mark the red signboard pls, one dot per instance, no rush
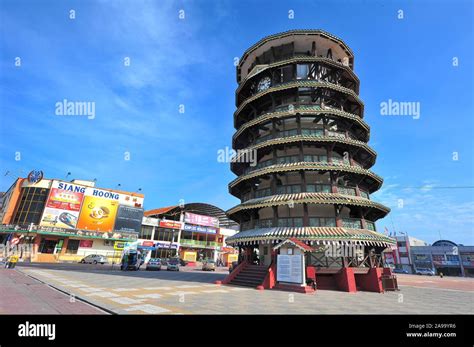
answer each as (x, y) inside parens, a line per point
(86, 243)
(148, 243)
(64, 200)
(171, 224)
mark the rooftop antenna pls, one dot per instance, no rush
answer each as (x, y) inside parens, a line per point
(68, 174)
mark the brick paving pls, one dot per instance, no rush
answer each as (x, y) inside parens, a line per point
(193, 292)
(20, 294)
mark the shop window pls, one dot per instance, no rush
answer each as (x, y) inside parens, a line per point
(31, 205)
(145, 232)
(72, 246)
(47, 246)
(109, 243)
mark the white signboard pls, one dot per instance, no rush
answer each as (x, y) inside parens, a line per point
(290, 268)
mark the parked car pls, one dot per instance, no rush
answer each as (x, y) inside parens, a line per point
(400, 271)
(209, 265)
(428, 272)
(173, 265)
(154, 264)
(94, 259)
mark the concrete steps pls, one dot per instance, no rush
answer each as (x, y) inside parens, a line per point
(250, 276)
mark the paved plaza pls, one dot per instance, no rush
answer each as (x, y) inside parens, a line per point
(192, 291)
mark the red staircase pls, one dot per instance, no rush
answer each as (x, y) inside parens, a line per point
(250, 276)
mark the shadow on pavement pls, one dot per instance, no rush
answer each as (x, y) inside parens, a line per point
(190, 274)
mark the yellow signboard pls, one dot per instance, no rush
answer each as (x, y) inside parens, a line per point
(190, 256)
(97, 214)
(119, 245)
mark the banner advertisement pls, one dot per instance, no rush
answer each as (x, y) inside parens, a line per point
(63, 205)
(128, 219)
(97, 214)
(86, 243)
(198, 219)
(170, 224)
(151, 245)
(199, 229)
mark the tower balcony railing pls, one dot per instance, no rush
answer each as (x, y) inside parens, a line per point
(294, 55)
(304, 105)
(322, 159)
(347, 190)
(305, 132)
(351, 223)
(296, 188)
(370, 225)
(326, 103)
(318, 222)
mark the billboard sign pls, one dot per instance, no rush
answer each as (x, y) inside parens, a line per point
(98, 214)
(199, 229)
(198, 219)
(63, 205)
(128, 219)
(166, 244)
(170, 224)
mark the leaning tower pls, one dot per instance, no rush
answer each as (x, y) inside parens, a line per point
(299, 113)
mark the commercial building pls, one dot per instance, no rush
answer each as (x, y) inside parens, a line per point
(193, 231)
(65, 220)
(442, 256)
(303, 162)
(445, 257)
(399, 256)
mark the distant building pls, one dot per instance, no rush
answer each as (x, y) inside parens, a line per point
(445, 257)
(192, 231)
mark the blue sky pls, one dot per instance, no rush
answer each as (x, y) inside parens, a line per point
(190, 62)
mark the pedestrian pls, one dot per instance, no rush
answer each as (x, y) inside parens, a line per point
(441, 275)
(124, 262)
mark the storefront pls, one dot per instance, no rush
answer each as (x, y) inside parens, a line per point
(65, 221)
(199, 242)
(157, 249)
(42, 244)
